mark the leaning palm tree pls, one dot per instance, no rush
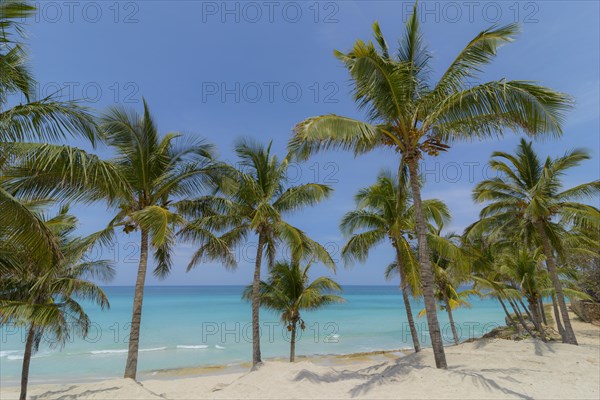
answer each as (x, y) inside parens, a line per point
(529, 202)
(483, 254)
(521, 270)
(450, 271)
(43, 297)
(289, 291)
(145, 181)
(256, 202)
(47, 119)
(384, 211)
(414, 117)
(451, 298)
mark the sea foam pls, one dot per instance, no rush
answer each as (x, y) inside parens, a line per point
(108, 351)
(120, 351)
(5, 353)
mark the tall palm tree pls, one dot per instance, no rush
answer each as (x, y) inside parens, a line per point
(289, 291)
(256, 202)
(25, 118)
(385, 212)
(158, 172)
(43, 297)
(408, 114)
(145, 181)
(529, 200)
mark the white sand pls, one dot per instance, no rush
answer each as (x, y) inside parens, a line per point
(484, 369)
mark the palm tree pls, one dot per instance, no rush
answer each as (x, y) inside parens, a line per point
(451, 269)
(529, 200)
(289, 291)
(521, 270)
(384, 211)
(413, 117)
(255, 202)
(30, 120)
(144, 182)
(43, 297)
(157, 171)
(484, 254)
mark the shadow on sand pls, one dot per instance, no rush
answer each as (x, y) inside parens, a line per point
(399, 370)
(65, 396)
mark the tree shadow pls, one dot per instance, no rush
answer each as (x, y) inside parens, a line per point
(490, 384)
(398, 371)
(541, 347)
(481, 343)
(51, 394)
(374, 375)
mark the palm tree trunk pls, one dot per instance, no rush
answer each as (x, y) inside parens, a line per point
(27, 361)
(407, 306)
(426, 270)
(520, 317)
(256, 359)
(293, 344)
(511, 321)
(136, 317)
(542, 311)
(568, 335)
(533, 305)
(559, 325)
(527, 311)
(451, 319)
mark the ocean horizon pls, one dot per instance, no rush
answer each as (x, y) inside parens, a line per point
(195, 326)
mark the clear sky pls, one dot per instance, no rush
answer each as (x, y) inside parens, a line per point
(221, 70)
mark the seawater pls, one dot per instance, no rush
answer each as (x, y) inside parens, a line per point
(189, 326)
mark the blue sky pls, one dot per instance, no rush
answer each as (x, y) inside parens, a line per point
(221, 70)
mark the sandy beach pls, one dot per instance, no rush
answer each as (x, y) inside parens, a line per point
(482, 369)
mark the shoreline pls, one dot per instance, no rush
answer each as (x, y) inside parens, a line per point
(490, 368)
(233, 368)
(481, 368)
(317, 359)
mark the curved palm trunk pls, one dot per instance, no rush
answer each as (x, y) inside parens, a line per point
(511, 321)
(520, 317)
(256, 359)
(426, 270)
(527, 311)
(451, 319)
(542, 311)
(568, 335)
(293, 344)
(27, 361)
(407, 306)
(559, 326)
(533, 306)
(136, 317)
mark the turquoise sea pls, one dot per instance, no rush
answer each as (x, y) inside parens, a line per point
(189, 326)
